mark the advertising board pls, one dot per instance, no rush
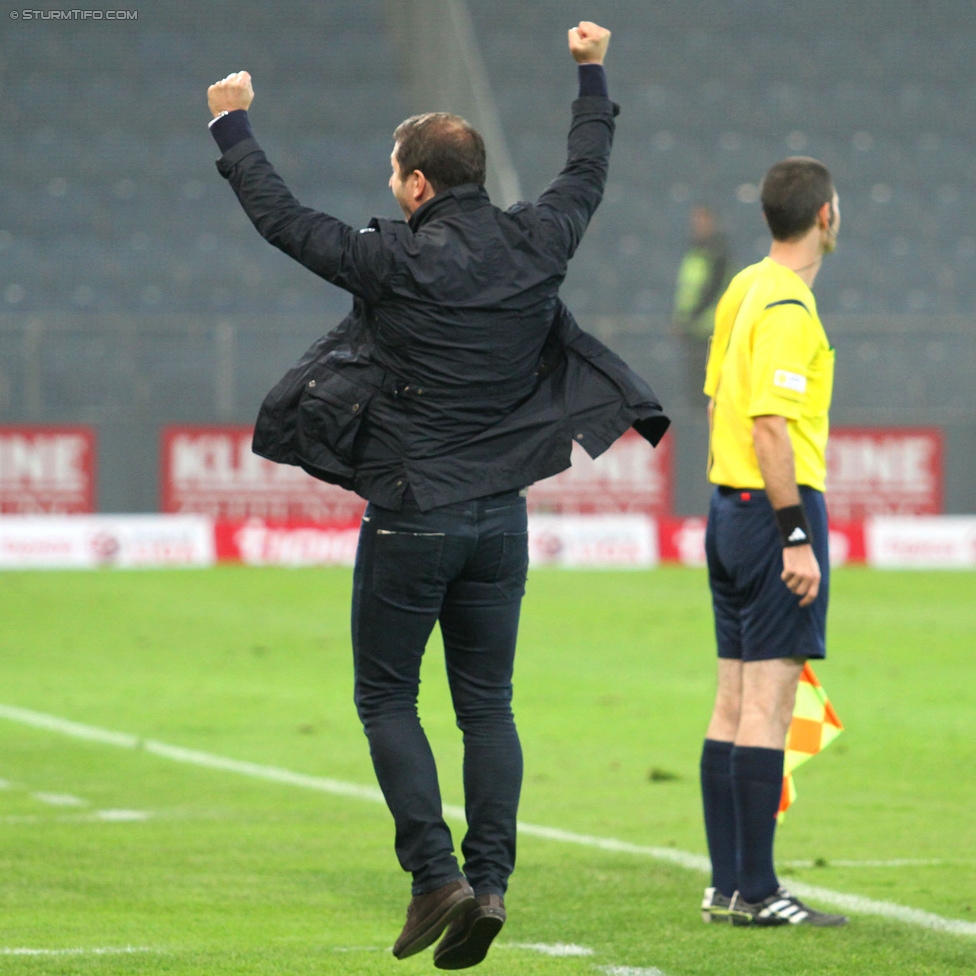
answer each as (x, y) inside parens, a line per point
(884, 471)
(212, 471)
(629, 477)
(47, 470)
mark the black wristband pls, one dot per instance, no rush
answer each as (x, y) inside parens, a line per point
(793, 527)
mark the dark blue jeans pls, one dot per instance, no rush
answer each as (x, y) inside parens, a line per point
(463, 566)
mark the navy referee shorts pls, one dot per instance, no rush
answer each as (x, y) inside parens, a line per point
(756, 617)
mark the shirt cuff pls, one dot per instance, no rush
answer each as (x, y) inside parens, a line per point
(230, 129)
(592, 80)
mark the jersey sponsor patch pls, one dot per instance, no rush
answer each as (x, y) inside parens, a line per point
(786, 380)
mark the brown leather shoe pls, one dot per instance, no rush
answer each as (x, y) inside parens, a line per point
(429, 914)
(469, 936)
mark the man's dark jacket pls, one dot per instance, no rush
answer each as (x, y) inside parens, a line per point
(458, 371)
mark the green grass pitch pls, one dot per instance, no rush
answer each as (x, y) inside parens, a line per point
(117, 859)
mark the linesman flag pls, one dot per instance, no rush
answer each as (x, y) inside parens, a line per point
(815, 725)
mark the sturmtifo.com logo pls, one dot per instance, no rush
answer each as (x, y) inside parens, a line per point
(74, 14)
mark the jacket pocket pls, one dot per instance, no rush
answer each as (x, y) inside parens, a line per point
(330, 414)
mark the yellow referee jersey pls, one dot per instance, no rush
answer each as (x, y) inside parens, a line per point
(769, 356)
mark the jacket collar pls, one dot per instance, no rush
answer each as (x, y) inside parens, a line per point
(468, 196)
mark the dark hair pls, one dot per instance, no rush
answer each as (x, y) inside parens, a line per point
(792, 193)
(444, 147)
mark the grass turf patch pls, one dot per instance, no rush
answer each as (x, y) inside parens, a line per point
(613, 687)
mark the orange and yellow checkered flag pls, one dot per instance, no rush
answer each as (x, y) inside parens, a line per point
(815, 725)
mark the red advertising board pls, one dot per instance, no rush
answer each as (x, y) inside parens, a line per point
(47, 470)
(259, 543)
(629, 477)
(884, 471)
(212, 470)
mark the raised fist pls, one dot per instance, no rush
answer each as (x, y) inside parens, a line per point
(230, 93)
(588, 42)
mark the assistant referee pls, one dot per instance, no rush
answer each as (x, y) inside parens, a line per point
(769, 379)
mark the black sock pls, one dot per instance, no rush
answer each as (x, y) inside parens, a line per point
(757, 784)
(716, 787)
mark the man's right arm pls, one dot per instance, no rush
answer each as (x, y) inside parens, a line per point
(577, 191)
(325, 245)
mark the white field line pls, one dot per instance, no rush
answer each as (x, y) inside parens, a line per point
(120, 816)
(96, 951)
(59, 799)
(631, 971)
(695, 862)
(558, 949)
(99, 816)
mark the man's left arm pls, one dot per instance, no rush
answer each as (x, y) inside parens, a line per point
(577, 191)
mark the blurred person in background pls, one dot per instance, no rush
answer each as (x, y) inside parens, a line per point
(702, 276)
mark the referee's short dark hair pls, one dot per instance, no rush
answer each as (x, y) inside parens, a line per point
(448, 150)
(792, 193)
